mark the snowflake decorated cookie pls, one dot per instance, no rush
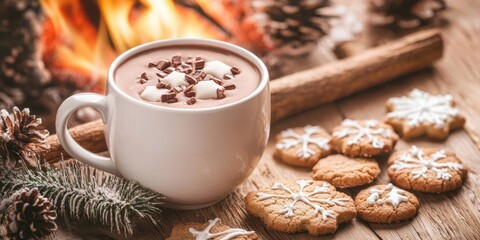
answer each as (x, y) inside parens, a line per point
(302, 146)
(363, 138)
(302, 205)
(213, 230)
(386, 204)
(345, 172)
(420, 114)
(426, 170)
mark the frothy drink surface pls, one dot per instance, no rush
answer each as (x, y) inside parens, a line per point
(187, 77)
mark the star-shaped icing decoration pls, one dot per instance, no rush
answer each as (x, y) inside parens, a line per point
(386, 204)
(208, 90)
(217, 69)
(176, 79)
(421, 113)
(302, 205)
(153, 94)
(391, 195)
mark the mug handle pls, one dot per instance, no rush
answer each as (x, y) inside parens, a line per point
(69, 106)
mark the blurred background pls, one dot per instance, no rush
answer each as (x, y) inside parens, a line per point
(51, 49)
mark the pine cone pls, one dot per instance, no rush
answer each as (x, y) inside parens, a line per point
(22, 72)
(407, 14)
(16, 135)
(295, 26)
(31, 216)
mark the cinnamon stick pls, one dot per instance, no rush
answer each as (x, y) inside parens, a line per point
(305, 90)
(89, 135)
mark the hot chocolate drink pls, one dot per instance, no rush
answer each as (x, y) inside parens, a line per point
(187, 77)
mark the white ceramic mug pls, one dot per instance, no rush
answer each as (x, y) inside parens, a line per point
(194, 157)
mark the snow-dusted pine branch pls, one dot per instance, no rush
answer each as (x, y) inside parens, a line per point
(79, 193)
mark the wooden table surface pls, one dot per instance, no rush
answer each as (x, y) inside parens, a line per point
(453, 215)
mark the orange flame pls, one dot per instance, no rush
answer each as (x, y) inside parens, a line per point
(85, 46)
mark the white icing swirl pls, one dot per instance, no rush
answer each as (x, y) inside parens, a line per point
(228, 234)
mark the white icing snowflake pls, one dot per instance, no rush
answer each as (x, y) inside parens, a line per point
(357, 132)
(420, 107)
(420, 165)
(395, 196)
(292, 139)
(305, 197)
(228, 234)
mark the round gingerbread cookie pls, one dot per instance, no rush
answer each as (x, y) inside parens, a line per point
(426, 170)
(386, 204)
(421, 113)
(345, 172)
(302, 205)
(363, 138)
(302, 146)
(213, 230)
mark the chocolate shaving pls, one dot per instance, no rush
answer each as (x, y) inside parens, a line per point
(176, 60)
(199, 75)
(229, 86)
(189, 88)
(228, 77)
(199, 63)
(190, 79)
(169, 70)
(235, 70)
(162, 65)
(189, 91)
(168, 96)
(190, 94)
(191, 101)
(216, 80)
(143, 78)
(176, 90)
(185, 68)
(221, 93)
(161, 74)
(161, 85)
(173, 100)
(152, 64)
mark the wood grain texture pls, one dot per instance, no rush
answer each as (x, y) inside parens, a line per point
(454, 215)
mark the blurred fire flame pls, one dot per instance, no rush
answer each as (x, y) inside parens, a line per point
(81, 38)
